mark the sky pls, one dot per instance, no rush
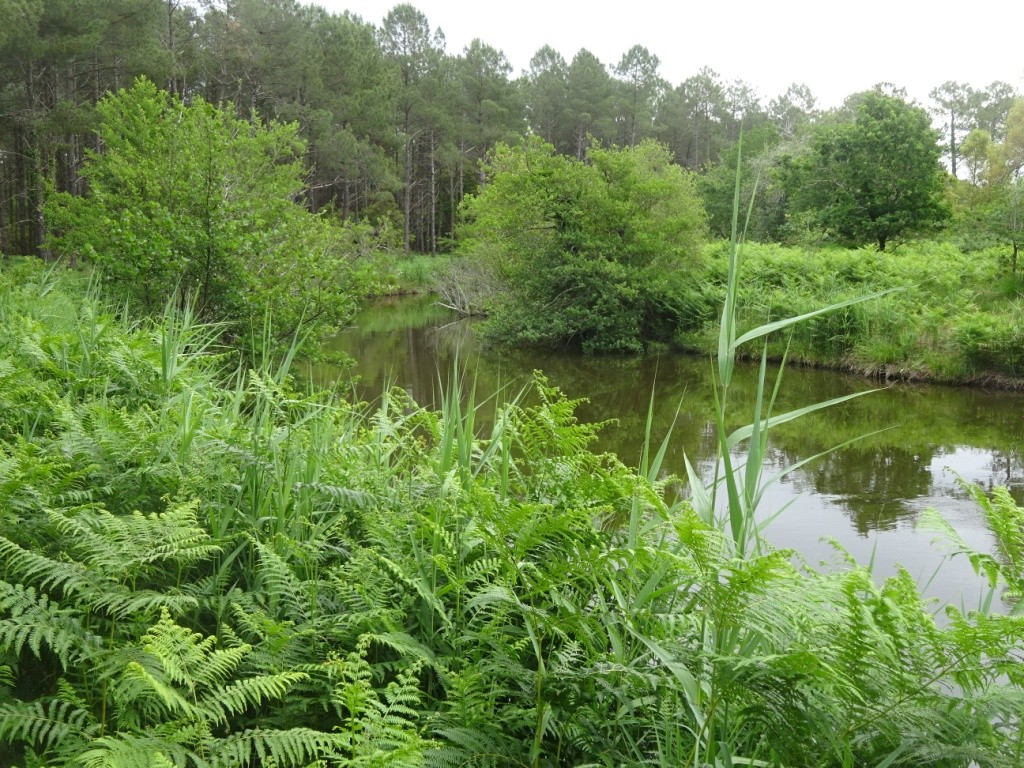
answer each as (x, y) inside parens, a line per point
(835, 48)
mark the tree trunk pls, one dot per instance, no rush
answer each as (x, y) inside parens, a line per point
(433, 194)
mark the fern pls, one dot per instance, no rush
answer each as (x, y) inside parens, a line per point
(32, 620)
(241, 696)
(129, 544)
(131, 751)
(287, 747)
(44, 724)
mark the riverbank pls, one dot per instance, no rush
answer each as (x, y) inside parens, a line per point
(951, 317)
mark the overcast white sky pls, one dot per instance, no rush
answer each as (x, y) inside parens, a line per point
(836, 48)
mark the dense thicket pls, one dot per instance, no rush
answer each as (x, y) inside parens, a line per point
(593, 255)
(393, 123)
(192, 204)
(202, 566)
(951, 316)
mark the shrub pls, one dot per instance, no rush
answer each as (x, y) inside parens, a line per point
(593, 254)
(193, 200)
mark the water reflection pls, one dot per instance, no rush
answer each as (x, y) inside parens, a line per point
(867, 496)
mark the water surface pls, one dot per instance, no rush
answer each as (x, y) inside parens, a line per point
(868, 496)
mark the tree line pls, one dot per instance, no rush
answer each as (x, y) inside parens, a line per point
(394, 125)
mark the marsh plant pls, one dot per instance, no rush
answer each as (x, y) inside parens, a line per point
(211, 565)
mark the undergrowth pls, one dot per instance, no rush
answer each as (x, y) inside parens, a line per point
(953, 316)
(205, 565)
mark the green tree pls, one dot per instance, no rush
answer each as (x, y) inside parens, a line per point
(955, 103)
(195, 200)
(57, 59)
(762, 151)
(490, 110)
(975, 152)
(992, 106)
(639, 88)
(871, 176)
(590, 101)
(998, 204)
(792, 110)
(545, 93)
(593, 253)
(692, 117)
(417, 54)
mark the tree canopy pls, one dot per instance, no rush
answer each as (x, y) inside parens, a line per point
(873, 175)
(190, 199)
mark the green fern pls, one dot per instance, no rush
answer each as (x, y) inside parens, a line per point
(31, 620)
(45, 724)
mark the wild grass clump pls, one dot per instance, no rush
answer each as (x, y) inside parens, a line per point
(209, 565)
(392, 273)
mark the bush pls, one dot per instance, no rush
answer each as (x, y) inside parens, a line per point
(190, 199)
(593, 255)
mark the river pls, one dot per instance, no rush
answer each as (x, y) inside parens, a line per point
(868, 496)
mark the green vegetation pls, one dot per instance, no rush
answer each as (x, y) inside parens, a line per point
(952, 316)
(395, 145)
(395, 125)
(874, 176)
(203, 566)
(192, 202)
(591, 254)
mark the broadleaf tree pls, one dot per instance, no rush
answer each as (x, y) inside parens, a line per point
(870, 174)
(593, 254)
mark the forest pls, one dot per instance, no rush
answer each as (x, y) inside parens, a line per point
(393, 145)
(394, 126)
(208, 561)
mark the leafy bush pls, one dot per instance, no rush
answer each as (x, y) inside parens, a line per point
(190, 199)
(592, 255)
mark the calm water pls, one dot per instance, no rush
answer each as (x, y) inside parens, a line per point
(867, 496)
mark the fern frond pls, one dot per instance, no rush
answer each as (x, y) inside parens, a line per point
(179, 651)
(125, 544)
(45, 572)
(33, 620)
(93, 589)
(242, 695)
(290, 747)
(286, 592)
(130, 751)
(44, 723)
(140, 688)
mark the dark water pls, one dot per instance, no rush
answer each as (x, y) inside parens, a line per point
(868, 496)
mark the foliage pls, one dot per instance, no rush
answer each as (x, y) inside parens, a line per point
(873, 176)
(992, 206)
(954, 316)
(762, 148)
(593, 254)
(191, 201)
(203, 566)
(394, 124)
